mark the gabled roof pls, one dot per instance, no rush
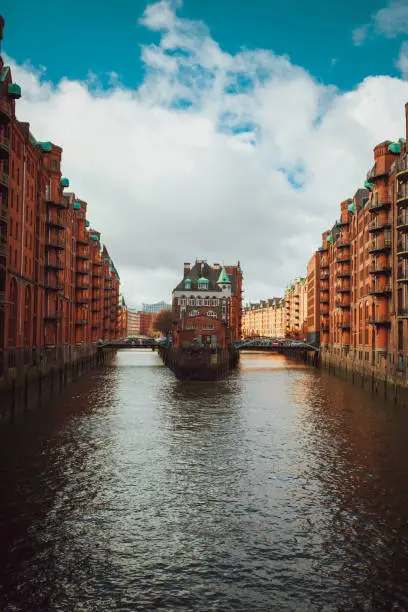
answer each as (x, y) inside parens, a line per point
(212, 275)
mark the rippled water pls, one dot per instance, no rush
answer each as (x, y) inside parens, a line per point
(279, 489)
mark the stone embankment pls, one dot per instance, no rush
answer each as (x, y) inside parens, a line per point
(33, 377)
(388, 382)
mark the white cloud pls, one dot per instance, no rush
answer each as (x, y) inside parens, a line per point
(389, 21)
(198, 162)
(402, 62)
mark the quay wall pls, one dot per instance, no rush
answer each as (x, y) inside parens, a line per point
(199, 364)
(387, 381)
(32, 376)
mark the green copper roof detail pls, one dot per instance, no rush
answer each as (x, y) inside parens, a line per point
(403, 140)
(329, 238)
(87, 223)
(4, 73)
(368, 185)
(107, 259)
(94, 237)
(45, 146)
(223, 277)
(14, 90)
(394, 147)
(77, 205)
(203, 280)
(64, 182)
(351, 208)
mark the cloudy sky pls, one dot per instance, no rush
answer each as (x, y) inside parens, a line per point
(225, 133)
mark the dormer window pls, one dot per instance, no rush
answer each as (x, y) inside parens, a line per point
(203, 283)
(187, 283)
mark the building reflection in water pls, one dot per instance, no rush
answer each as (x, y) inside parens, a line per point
(357, 449)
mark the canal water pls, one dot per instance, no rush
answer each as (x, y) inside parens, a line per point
(281, 488)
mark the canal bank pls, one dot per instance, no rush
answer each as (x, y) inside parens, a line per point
(388, 382)
(35, 378)
(278, 488)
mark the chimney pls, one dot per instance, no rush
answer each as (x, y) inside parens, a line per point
(186, 268)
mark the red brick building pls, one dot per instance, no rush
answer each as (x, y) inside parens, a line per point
(57, 288)
(207, 305)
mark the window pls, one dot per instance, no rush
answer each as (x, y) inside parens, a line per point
(192, 301)
(206, 301)
(212, 314)
(193, 313)
(215, 301)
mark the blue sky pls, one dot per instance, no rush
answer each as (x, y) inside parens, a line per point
(233, 131)
(76, 37)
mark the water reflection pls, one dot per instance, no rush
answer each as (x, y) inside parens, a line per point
(279, 488)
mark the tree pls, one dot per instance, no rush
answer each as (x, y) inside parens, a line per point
(164, 322)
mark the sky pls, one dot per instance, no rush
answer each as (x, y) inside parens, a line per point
(215, 130)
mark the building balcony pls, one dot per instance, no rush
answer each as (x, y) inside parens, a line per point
(54, 265)
(343, 272)
(58, 222)
(378, 203)
(380, 289)
(325, 309)
(55, 243)
(402, 169)
(324, 300)
(81, 300)
(325, 326)
(82, 271)
(53, 316)
(402, 248)
(81, 322)
(402, 313)
(96, 273)
(343, 257)
(402, 275)
(54, 285)
(341, 303)
(324, 263)
(82, 255)
(379, 320)
(380, 268)
(57, 203)
(5, 110)
(402, 195)
(377, 225)
(324, 274)
(83, 240)
(344, 324)
(81, 285)
(402, 223)
(343, 288)
(343, 242)
(375, 173)
(4, 147)
(4, 180)
(377, 246)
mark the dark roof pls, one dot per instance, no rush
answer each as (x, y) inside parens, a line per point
(200, 269)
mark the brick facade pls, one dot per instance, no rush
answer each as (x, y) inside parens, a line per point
(54, 278)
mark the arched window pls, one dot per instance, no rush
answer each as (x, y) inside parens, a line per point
(192, 301)
(13, 309)
(27, 315)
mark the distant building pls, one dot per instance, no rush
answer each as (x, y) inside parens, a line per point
(265, 318)
(155, 308)
(139, 323)
(207, 305)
